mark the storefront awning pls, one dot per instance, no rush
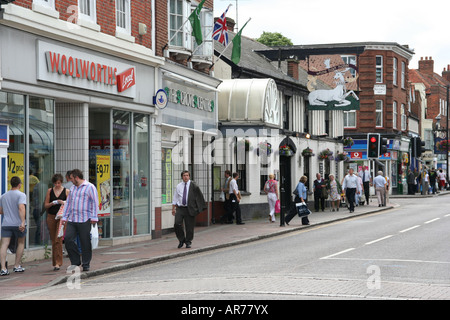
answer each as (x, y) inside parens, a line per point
(249, 100)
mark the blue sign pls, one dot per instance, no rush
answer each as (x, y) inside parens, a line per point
(4, 134)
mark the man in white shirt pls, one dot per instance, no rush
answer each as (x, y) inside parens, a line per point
(380, 183)
(366, 178)
(351, 187)
(235, 198)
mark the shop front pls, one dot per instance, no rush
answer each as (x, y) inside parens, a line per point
(187, 119)
(70, 107)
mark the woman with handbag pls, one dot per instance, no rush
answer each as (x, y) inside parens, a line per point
(271, 189)
(335, 192)
(54, 198)
(301, 196)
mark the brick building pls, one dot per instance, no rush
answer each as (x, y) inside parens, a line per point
(433, 87)
(79, 79)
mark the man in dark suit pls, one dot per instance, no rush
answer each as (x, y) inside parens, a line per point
(188, 202)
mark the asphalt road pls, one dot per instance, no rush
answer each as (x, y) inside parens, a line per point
(396, 254)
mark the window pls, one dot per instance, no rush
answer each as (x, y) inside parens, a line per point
(379, 113)
(394, 115)
(46, 3)
(123, 17)
(87, 10)
(403, 75)
(395, 71)
(350, 119)
(350, 60)
(403, 116)
(207, 23)
(379, 69)
(179, 34)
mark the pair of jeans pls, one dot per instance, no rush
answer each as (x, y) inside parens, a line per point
(83, 230)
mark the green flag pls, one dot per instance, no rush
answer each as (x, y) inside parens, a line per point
(194, 19)
(236, 53)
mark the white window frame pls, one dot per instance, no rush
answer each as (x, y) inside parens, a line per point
(186, 30)
(403, 79)
(125, 28)
(207, 22)
(350, 59)
(92, 7)
(395, 71)
(378, 70)
(403, 117)
(379, 110)
(45, 3)
(394, 115)
(347, 123)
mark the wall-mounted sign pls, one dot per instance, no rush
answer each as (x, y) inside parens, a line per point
(80, 69)
(338, 75)
(161, 99)
(379, 89)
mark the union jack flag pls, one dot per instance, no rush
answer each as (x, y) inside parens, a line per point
(220, 32)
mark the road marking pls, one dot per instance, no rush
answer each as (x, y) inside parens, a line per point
(447, 215)
(410, 229)
(338, 253)
(387, 237)
(429, 221)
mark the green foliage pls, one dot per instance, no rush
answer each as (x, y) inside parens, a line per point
(273, 39)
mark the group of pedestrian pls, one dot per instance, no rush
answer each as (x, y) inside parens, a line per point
(80, 211)
(426, 181)
(232, 199)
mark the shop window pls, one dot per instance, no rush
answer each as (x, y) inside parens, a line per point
(141, 172)
(167, 176)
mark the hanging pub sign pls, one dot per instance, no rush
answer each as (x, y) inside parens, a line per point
(340, 76)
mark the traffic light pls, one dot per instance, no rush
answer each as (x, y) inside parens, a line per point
(419, 147)
(383, 146)
(373, 145)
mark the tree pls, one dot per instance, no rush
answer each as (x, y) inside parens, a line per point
(272, 39)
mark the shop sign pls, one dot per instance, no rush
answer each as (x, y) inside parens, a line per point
(66, 66)
(357, 155)
(189, 99)
(160, 100)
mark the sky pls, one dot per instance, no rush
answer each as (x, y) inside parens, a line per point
(422, 25)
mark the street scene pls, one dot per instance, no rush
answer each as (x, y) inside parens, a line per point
(223, 150)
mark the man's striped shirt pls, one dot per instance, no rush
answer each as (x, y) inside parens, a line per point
(81, 204)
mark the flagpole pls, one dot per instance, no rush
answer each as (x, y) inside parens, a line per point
(229, 43)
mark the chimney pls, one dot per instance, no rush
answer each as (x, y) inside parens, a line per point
(292, 68)
(446, 73)
(426, 65)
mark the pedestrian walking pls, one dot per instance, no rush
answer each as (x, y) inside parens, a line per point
(301, 196)
(442, 179)
(235, 198)
(12, 208)
(271, 190)
(335, 192)
(54, 199)
(433, 180)
(80, 212)
(319, 188)
(380, 183)
(188, 202)
(425, 181)
(411, 182)
(366, 178)
(227, 217)
(351, 187)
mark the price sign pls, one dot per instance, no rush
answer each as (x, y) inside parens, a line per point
(104, 184)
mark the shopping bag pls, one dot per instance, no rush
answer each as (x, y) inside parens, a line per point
(94, 236)
(222, 196)
(277, 206)
(61, 230)
(302, 209)
(60, 213)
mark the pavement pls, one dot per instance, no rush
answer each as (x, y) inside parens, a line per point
(40, 274)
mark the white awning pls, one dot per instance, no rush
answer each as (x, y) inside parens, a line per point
(249, 100)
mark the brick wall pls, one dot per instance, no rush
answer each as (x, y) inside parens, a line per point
(367, 80)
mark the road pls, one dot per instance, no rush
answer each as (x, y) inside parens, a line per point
(396, 254)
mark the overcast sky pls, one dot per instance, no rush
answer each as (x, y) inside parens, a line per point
(423, 25)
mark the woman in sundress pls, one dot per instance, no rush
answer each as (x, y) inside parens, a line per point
(335, 192)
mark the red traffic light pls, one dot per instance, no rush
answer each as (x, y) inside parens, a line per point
(373, 139)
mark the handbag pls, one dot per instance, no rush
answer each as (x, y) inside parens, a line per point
(94, 236)
(302, 209)
(60, 213)
(295, 193)
(324, 192)
(277, 206)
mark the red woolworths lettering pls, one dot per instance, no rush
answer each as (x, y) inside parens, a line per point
(126, 80)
